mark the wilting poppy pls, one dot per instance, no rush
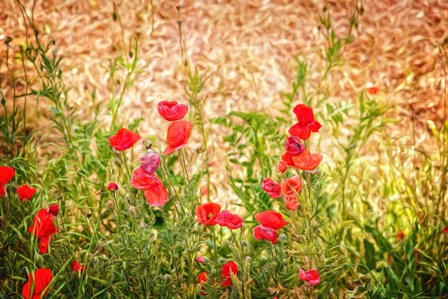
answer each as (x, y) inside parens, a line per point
(150, 162)
(227, 268)
(53, 209)
(124, 139)
(6, 174)
(272, 188)
(292, 185)
(171, 110)
(307, 161)
(271, 219)
(294, 146)
(310, 276)
(373, 90)
(232, 221)
(207, 213)
(305, 124)
(177, 135)
(77, 267)
(36, 286)
(291, 202)
(25, 192)
(266, 233)
(112, 186)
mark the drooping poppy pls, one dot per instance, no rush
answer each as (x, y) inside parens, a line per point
(305, 122)
(271, 219)
(177, 135)
(77, 267)
(294, 146)
(310, 276)
(36, 286)
(150, 162)
(266, 233)
(171, 110)
(292, 185)
(25, 192)
(272, 188)
(6, 174)
(232, 221)
(124, 139)
(53, 209)
(207, 213)
(227, 268)
(307, 161)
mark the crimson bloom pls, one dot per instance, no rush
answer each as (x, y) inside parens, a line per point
(43, 227)
(2, 191)
(291, 202)
(232, 221)
(6, 174)
(177, 135)
(271, 219)
(304, 161)
(123, 140)
(227, 268)
(293, 146)
(292, 185)
(155, 192)
(53, 209)
(305, 122)
(25, 192)
(171, 110)
(207, 213)
(272, 188)
(202, 278)
(266, 233)
(373, 90)
(112, 186)
(282, 166)
(77, 267)
(310, 276)
(36, 286)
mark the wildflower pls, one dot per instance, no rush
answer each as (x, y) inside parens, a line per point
(310, 276)
(291, 202)
(150, 162)
(2, 191)
(53, 209)
(77, 267)
(43, 228)
(202, 278)
(305, 122)
(266, 233)
(25, 192)
(271, 219)
(373, 90)
(112, 186)
(201, 259)
(232, 221)
(446, 229)
(282, 166)
(304, 161)
(226, 270)
(6, 174)
(207, 213)
(171, 110)
(400, 236)
(155, 192)
(124, 139)
(272, 188)
(177, 135)
(292, 186)
(36, 286)
(293, 146)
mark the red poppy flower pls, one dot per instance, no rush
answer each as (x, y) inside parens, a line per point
(227, 268)
(43, 225)
(282, 166)
(53, 209)
(177, 136)
(202, 278)
(266, 233)
(272, 188)
(293, 146)
(36, 286)
(112, 186)
(43, 244)
(124, 139)
(310, 276)
(156, 196)
(307, 161)
(150, 162)
(232, 221)
(25, 192)
(155, 192)
(2, 191)
(271, 219)
(306, 123)
(446, 229)
(400, 236)
(207, 213)
(373, 90)
(6, 174)
(171, 110)
(77, 267)
(291, 202)
(295, 183)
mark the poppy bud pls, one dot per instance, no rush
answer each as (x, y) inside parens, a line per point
(201, 259)
(53, 209)
(150, 162)
(282, 166)
(112, 186)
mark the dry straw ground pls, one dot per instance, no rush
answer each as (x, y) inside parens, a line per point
(247, 47)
